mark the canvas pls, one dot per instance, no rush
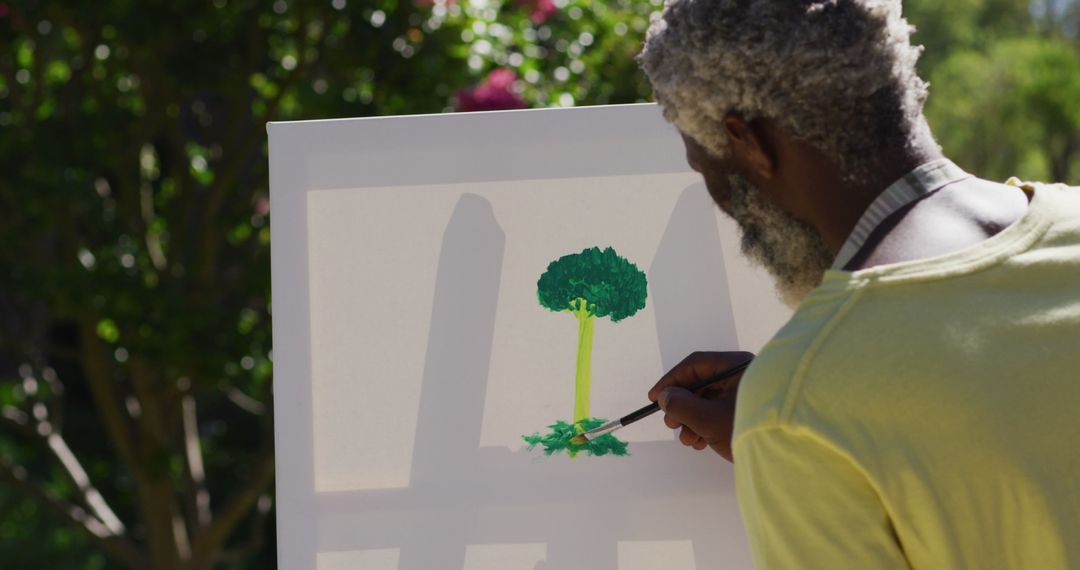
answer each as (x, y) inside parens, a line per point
(455, 296)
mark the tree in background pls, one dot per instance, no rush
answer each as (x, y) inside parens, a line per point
(135, 356)
(1004, 81)
(1030, 88)
(135, 364)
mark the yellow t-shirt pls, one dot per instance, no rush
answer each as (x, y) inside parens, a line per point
(925, 414)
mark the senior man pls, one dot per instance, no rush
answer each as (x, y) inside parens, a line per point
(919, 408)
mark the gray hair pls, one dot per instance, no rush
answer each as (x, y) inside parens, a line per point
(839, 74)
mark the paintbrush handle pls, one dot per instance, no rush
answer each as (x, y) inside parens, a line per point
(700, 385)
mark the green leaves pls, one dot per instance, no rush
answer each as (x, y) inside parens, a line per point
(610, 285)
(567, 53)
(1029, 86)
(560, 435)
(1003, 82)
(108, 331)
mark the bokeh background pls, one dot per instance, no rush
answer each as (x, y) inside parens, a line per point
(135, 353)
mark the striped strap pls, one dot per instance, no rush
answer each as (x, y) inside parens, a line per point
(919, 182)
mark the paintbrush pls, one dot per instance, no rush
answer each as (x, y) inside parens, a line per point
(582, 439)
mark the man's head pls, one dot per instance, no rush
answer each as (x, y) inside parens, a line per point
(791, 249)
(768, 91)
(839, 74)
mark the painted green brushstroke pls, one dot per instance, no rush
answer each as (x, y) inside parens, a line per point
(559, 436)
(590, 284)
(583, 375)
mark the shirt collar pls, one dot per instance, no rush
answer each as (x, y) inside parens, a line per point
(924, 179)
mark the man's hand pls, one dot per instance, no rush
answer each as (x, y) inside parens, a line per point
(706, 419)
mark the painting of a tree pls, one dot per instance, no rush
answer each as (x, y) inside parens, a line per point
(591, 284)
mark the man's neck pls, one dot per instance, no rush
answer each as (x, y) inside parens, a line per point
(840, 202)
(957, 216)
(848, 199)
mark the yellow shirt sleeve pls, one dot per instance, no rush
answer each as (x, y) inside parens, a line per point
(806, 506)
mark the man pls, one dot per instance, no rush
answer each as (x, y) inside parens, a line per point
(918, 410)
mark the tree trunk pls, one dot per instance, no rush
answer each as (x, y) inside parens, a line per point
(583, 378)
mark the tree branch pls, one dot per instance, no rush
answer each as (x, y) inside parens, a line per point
(257, 539)
(208, 544)
(193, 457)
(56, 400)
(166, 530)
(153, 419)
(17, 420)
(255, 135)
(118, 547)
(41, 433)
(245, 402)
(90, 495)
(96, 367)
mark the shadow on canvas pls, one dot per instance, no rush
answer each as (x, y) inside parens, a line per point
(592, 513)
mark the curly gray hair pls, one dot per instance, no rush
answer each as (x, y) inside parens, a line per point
(839, 74)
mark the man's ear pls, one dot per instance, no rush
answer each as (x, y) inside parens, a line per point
(752, 146)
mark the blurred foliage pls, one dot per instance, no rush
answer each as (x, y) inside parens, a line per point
(1004, 84)
(134, 277)
(1012, 110)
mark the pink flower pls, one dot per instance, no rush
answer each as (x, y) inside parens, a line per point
(494, 93)
(262, 206)
(541, 9)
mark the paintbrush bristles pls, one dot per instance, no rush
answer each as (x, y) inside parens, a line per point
(583, 438)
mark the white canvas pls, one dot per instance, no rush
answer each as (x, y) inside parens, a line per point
(412, 354)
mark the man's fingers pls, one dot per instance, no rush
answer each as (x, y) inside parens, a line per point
(708, 419)
(698, 366)
(688, 437)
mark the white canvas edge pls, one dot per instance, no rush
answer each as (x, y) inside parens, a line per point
(409, 151)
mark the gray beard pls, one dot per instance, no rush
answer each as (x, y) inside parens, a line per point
(790, 249)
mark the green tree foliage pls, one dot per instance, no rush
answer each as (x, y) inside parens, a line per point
(601, 282)
(135, 356)
(1030, 86)
(1004, 78)
(945, 27)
